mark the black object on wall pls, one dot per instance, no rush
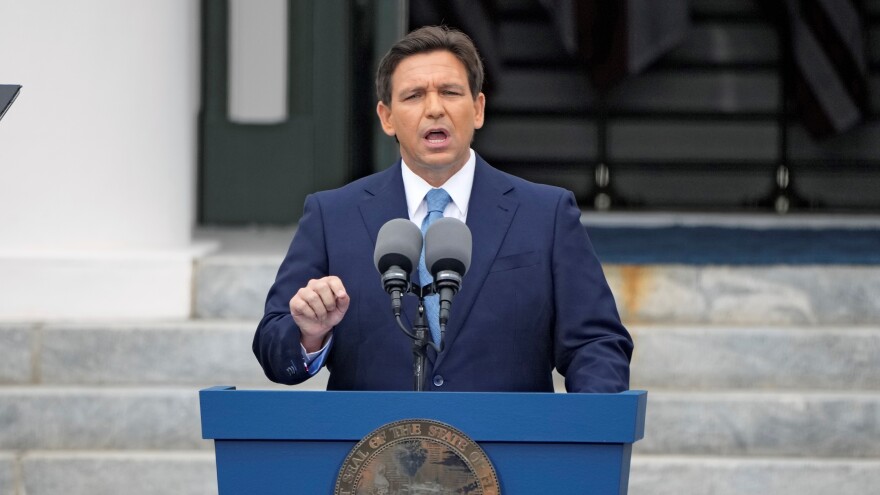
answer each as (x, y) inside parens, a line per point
(8, 94)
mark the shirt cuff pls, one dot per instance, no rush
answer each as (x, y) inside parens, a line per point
(315, 360)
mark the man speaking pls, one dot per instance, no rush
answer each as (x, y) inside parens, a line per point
(534, 298)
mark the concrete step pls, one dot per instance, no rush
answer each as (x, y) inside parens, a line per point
(715, 43)
(100, 418)
(652, 140)
(204, 353)
(109, 473)
(670, 475)
(193, 473)
(16, 352)
(171, 353)
(531, 41)
(735, 424)
(709, 92)
(195, 353)
(748, 295)
(705, 357)
(783, 424)
(514, 139)
(567, 90)
(553, 89)
(9, 483)
(234, 285)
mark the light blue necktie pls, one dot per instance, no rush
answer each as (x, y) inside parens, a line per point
(437, 200)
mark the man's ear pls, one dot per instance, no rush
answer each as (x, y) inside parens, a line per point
(384, 113)
(479, 110)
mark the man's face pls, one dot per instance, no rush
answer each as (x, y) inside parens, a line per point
(433, 114)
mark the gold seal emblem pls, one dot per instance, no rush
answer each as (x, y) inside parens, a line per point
(417, 457)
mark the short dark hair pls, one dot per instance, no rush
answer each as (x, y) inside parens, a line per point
(430, 39)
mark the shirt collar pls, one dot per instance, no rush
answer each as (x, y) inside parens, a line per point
(458, 186)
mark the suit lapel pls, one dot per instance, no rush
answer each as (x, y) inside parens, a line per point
(490, 213)
(385, 200)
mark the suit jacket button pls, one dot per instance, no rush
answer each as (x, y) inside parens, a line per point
(438, 381)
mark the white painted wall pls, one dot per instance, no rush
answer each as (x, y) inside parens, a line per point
(97, 158)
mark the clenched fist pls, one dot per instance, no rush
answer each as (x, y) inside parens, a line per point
(317, 308)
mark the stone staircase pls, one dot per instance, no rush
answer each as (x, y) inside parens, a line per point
(761, 380)
(758, 409)
(704, 128)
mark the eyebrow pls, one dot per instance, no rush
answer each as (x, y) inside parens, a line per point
(421, 87)
(452, 86)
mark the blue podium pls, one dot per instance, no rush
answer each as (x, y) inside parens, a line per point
(295, 442)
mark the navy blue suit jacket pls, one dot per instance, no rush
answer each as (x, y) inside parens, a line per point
(535, 296)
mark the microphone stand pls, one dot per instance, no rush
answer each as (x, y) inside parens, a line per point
(420, 335)
(420, 343)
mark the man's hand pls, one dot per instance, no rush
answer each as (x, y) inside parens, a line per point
(317, 308)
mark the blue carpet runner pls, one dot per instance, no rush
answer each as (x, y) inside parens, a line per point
(736, 246)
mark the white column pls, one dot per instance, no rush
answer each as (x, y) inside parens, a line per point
(97, 158)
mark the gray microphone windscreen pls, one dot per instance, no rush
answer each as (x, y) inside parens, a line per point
(399, 243)
(448, 246)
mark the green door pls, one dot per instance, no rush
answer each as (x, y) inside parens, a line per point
(261, 173)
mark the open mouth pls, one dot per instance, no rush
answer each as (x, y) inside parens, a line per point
(436, 136)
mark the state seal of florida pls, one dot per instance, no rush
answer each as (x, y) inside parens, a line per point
(417, 457)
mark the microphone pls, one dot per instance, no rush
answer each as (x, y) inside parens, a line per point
(448, 246)
(398, 247)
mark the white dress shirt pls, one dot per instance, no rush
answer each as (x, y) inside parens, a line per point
(458, 186)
